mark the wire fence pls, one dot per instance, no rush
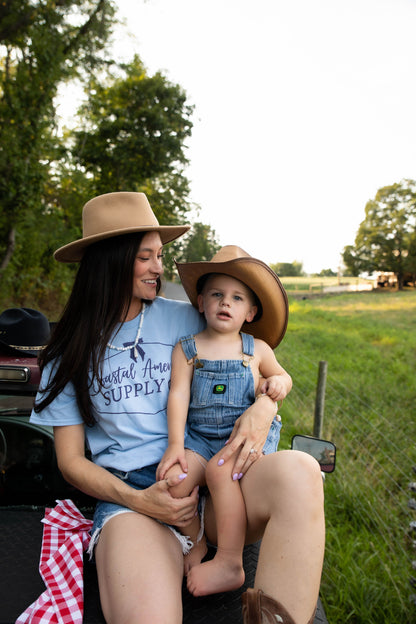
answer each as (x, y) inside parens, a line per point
(371, 517)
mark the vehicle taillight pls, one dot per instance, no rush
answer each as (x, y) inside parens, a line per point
(18, 373)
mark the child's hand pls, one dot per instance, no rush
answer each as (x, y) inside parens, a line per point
(174, 454)
(275, 387)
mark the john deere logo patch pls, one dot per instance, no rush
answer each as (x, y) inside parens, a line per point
(219, 389)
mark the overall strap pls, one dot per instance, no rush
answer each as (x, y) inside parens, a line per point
(189, 347)
(248, 344)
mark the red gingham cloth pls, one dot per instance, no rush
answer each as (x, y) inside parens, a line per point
(65, 536)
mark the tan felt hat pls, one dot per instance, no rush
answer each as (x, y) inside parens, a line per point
(114, 214)
(235, 262)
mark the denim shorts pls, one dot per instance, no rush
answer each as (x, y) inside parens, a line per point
(140, 480)
(208, 447)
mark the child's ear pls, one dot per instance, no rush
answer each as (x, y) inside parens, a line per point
(250, 316)
(200, 301)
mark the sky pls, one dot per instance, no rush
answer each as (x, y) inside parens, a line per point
(303, 110)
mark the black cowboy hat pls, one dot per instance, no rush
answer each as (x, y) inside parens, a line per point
(23, 331)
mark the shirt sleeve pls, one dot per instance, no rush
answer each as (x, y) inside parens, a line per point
(62, 411)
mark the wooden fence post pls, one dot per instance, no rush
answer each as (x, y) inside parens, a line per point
(320, 399)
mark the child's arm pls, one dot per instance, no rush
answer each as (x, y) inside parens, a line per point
(177, 412)
(277, 383)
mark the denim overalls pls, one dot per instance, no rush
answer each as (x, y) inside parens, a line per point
(221, 391)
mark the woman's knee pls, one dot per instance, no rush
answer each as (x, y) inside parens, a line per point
(285, 478)
(299, 470)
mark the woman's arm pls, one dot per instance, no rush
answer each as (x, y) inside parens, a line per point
(251, 429)
(155, 501)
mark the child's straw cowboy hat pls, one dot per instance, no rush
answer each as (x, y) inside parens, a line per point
(114, 214)
(237, 263)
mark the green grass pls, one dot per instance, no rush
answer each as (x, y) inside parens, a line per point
(369, 343)
(316, 284)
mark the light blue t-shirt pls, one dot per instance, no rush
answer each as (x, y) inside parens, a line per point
(130, 410)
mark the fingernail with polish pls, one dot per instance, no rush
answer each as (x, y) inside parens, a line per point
(235, 477)
(182, 476)
(220, 462)
(240, 475)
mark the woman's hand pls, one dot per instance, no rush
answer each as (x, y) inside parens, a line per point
(156, 501)
(249, 435)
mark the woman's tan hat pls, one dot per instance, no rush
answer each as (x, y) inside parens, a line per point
(114, 214)
(235, 262)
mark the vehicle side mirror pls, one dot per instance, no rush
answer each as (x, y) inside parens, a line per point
(322, 450)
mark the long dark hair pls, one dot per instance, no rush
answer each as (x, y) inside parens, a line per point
(99, 301)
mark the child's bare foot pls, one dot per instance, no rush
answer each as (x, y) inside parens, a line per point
(218, 575)
(195, 556)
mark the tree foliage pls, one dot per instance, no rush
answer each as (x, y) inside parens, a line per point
(131, 135)
(42, 44)
(288, 269)
(326, 273)
(198, 244)
(386, 238)
(133, 129)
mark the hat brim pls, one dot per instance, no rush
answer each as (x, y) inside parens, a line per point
(6, 349)
(73, 252)
(264, 282)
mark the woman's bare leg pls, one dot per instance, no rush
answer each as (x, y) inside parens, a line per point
(283, 494)
(225, 571)
(140, 571)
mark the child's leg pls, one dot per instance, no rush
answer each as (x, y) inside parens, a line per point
(225, 571)
(196, 476)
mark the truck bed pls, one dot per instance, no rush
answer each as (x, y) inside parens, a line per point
(20, 582)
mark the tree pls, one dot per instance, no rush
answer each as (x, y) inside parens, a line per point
(199, 244)
(134, 128)
(288, 269)
(131, 136)
(42, 44)
(326, 273)
(386, 238)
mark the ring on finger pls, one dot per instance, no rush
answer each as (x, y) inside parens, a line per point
(252, 451)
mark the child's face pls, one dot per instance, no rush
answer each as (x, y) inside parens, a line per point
(226, 303)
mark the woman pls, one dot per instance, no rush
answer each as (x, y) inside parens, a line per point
(105, 379)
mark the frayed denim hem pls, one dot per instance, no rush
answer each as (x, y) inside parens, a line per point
(96, 534)
(184, 540)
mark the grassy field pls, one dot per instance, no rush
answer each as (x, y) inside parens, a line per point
(369, 343)
(316, 284)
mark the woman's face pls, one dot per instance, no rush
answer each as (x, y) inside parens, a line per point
(147, 268)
